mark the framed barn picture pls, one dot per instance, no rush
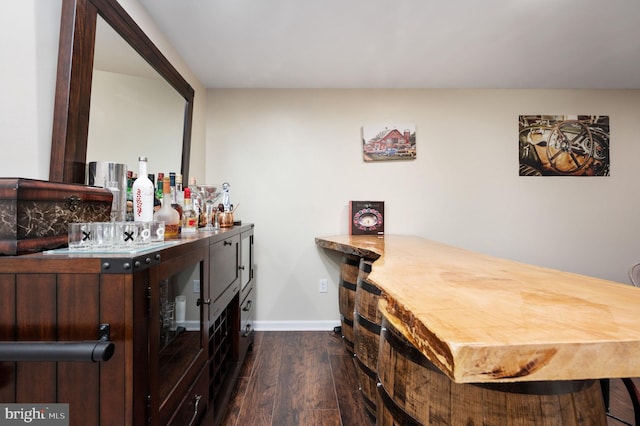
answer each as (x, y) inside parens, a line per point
(385, 142)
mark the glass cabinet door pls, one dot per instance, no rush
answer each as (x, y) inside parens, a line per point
(176, 333)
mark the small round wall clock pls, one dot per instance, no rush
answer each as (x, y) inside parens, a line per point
(367, 217)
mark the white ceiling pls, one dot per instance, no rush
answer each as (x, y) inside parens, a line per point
(406, 43)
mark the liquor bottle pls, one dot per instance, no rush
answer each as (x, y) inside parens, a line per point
(179, 190)
(174, 200)
(197, 205)
(129, 207)
(189, 218)
(156, 202)
(159, 186)
(167, 213)
(129, 184)
(142, 191)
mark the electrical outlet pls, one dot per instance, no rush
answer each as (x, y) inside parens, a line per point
(324, 285)
(196, 286)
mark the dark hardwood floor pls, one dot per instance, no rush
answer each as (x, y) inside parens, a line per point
(308, 379)
(621, 408)
(297, 378)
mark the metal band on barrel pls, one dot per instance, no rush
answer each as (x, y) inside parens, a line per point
(369, 288)
(347, 285)
(399, 415)
(371, 326)
(366, 370)
(351, 261)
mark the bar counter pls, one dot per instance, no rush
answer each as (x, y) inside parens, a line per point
(483, 319)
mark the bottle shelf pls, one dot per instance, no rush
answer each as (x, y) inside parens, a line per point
(220, 350)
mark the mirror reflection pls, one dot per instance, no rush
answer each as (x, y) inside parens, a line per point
(134, 111)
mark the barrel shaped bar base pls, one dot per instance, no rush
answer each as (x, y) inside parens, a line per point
(412, 391)
(349, 270)
(366, 331)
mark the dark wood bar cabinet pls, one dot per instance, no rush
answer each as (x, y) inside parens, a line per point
(171, 364)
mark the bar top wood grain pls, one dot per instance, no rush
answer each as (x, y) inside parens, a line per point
(485, 319)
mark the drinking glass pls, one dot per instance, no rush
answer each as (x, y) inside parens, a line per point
(126, 234)
(143, 233)
(156, 230)
(102, 235)
(79, 236)
(210, 194)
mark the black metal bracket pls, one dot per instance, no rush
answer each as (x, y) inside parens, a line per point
(128, 265)
(104, 332)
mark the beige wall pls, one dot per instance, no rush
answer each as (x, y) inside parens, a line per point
(293, 159)
(29, 30)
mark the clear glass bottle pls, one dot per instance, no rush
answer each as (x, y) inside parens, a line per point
(189, 217)
(143, 192)
(174, 201)
(166, 213)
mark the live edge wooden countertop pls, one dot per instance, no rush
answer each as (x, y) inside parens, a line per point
(484, 319)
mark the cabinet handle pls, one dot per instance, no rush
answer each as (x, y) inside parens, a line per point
(241, 267)
(247, 307)
(200, 302)
(196, 399)
(227, 243)
(247, 330)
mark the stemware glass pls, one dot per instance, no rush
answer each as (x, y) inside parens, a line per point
(209, 194)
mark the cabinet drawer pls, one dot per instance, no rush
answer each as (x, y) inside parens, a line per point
(224, 264)
(194, 405)
(247, 309)
(246, 314)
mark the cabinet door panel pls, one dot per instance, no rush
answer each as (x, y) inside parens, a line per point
(78, 383)
(7, 323)
(36, 318)
(246, 261)
(119, 405)
(224, 264)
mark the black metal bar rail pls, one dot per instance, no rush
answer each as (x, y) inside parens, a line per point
(96, 351)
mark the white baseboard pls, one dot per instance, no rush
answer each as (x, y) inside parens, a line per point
(278, 325)
(190, 325)
(295, 325)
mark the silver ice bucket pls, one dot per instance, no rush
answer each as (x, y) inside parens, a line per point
(112, 176)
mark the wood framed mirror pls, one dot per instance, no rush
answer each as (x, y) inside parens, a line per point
(79, 22)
